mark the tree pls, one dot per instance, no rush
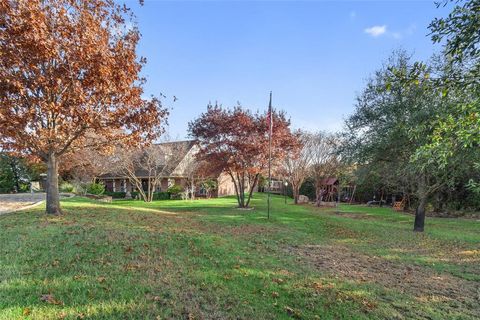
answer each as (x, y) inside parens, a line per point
(146, 167)
(459, 31)
(458, 128)
(210, 185)
(16, 173)
(69, 67)
(324, 161)
(200, 174)
(87, 164)
(236, 140)
(391, 123)
(296, 165)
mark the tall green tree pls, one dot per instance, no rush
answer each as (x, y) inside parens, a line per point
(391, 123)
(16, 173)
(458, 128)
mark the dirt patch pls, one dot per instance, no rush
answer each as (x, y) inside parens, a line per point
(422, 283)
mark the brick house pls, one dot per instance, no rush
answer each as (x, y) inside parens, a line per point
(117, 182)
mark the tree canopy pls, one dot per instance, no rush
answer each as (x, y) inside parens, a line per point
(236, 140)
(69, 67)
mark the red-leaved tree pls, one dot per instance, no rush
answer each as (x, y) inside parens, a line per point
(67, 68)
(237, 141)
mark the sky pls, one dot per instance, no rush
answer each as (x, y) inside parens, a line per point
(315, 56)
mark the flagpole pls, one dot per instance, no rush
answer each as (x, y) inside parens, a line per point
(270, 124)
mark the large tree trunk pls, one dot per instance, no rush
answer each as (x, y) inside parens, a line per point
(420, 215)
(53, 195)
(296, 193)
(422, 202)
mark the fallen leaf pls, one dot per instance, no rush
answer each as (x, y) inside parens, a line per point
(49, 298)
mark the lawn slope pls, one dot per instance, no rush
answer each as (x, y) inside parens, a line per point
(205, 259)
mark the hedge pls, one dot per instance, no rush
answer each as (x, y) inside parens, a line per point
(116, 195)
(156, 195)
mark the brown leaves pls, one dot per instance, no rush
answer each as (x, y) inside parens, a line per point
(292, 312)
(278, 280)
(68, 67)
(49, 298)
(236, 140)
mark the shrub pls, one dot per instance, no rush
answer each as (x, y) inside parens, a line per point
(161, 196)
(116, 194)
(308, 189)
(67, 187)
(175, 191)
(134, 194)
(156, 195)
(96, 188)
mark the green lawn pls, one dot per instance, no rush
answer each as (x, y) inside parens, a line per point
(205, 259)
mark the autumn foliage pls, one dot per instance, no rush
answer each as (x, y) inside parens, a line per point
(69, 67)
(237, 140)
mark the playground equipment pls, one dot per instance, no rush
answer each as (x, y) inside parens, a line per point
(399, 205)
(348, 193)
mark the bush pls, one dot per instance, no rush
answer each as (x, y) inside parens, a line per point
(116, 194)
(135, 194)
(175, 191)
(67, 187)
(161, 196)
(308, 189)
(96, 188)
(156, 195)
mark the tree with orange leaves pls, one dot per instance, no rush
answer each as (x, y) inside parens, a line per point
(237, 141)
(67, 68)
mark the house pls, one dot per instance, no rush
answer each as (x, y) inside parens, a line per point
(174, 162)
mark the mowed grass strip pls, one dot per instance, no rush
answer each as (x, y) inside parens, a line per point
(205, 259)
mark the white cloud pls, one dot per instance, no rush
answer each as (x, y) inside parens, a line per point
(397, 35)
(376, 31)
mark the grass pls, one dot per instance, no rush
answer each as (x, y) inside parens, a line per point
(207, 260)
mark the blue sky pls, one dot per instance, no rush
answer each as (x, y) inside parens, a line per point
(314, 55)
